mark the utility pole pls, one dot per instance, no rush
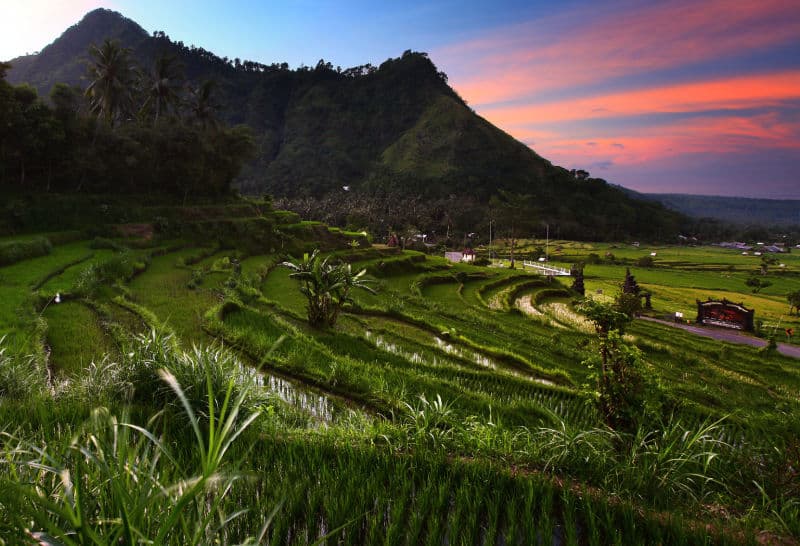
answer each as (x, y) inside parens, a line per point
(490, 239)
(547, 244)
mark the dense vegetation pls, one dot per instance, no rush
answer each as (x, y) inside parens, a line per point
(114, 147)
(397, 136)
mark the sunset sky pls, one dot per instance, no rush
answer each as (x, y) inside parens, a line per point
(663, 96)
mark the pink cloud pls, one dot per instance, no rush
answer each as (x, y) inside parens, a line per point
(699, 135)
(575, 49)
(757, 91)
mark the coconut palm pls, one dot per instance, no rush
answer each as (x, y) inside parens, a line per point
(163, 85)
(113, 75)
(202, 105)
(327, 286)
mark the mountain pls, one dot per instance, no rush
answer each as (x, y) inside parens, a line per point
(738, 210)
(394, 133)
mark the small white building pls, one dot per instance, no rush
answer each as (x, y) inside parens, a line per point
(457, 257)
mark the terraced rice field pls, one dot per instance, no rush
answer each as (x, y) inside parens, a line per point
(447, 408)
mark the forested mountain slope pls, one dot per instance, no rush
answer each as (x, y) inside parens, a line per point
(390, 134)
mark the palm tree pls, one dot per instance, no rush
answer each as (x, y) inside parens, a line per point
(113, 76)
(202, 105)
(163, 85)
(326, 286)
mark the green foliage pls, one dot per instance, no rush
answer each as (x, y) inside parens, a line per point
(757, 283)
(59, 149)
(115, 481)
(625, 393)
(326, 286)
(428, 422)
(794, 301)
(104, 242)
(628, 304)
(15, 251)
(21, 377)
(112, 75)
(645, 261)
(604, 317)
(117, 268)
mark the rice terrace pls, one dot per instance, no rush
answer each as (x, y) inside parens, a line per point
(247, 304)
(450, 405)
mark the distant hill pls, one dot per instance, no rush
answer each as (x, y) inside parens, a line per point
(738, 210)
(391, 132)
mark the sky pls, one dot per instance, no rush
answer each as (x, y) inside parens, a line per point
(668, 96)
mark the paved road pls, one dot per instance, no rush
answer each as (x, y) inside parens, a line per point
(731, 336)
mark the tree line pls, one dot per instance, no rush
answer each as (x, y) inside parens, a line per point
(133, 130)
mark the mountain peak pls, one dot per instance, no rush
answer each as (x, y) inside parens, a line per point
(64, 59)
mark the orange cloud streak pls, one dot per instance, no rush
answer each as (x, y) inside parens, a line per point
(729, 93)
(730, 134)
(533, 57)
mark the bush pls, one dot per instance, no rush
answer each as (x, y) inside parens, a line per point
(16, 251)
(104, 242)
(645, 261)
(624, 393)
(119, 267)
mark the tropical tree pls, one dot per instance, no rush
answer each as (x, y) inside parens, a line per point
(766, 261)
(756, 283)
(163, 86)
(794, 301)
(202, 105)
(516, 212)
(604, 317)
(623, 391)
(326, 286)
(113, 77)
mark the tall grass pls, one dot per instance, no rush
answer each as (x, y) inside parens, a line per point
(117, 482)
(21, 376)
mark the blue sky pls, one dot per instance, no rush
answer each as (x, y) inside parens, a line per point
(695, 96)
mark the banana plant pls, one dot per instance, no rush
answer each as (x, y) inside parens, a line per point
(326, 286)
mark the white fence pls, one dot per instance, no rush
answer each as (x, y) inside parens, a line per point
(546, 269)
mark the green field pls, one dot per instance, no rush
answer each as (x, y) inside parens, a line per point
(680, 275)
(450, 407)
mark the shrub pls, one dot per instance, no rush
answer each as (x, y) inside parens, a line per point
(14, 251)
(104, 242)
(119, 267)
(646, 261)
(756, 283)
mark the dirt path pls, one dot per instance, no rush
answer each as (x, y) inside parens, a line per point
(731, 336)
